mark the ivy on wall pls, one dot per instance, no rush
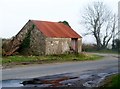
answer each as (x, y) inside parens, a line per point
(26, 41)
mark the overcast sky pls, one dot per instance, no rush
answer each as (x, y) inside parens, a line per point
(15, 13)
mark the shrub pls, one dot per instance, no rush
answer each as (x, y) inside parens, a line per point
(89, 47)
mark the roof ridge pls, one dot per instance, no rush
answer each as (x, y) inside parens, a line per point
(43, 21)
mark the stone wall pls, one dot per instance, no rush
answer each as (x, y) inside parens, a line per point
(14, 42)
(22, 33)
(79, 45)
(21, 36)
(57, 45)
(37, 42)
(60, 45)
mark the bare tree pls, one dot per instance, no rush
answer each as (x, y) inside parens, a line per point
(100, 22)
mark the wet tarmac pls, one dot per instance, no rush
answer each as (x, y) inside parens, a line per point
(87, 80)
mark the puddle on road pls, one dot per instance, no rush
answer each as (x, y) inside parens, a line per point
(11, 83)
(83, 80)
(50, 82)
(96, 80)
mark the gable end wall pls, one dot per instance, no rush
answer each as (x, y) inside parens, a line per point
(37, 39)
(37, 43)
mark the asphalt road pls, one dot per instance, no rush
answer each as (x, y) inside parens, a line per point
(32, 71)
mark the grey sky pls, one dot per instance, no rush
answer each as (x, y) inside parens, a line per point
(15, 13)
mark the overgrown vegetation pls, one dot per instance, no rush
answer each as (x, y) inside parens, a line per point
(116, 45)
(88, 47)
(93, 48)
(48, 58)
(26, 42)
(112, 83)
(65, 22)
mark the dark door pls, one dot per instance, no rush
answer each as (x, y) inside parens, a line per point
(74, 44)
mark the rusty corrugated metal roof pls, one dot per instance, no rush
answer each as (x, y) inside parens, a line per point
(55, 29)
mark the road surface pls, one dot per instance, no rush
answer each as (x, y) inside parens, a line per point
(32, 71)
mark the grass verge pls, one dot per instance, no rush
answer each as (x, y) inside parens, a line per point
(11, 60)
(112, 82)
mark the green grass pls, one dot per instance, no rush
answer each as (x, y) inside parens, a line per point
(104, 51)
(0, 60)
(115, 81)
(112, 83)
(48, 58)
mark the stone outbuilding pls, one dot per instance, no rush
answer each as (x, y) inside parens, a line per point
(44, 38)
